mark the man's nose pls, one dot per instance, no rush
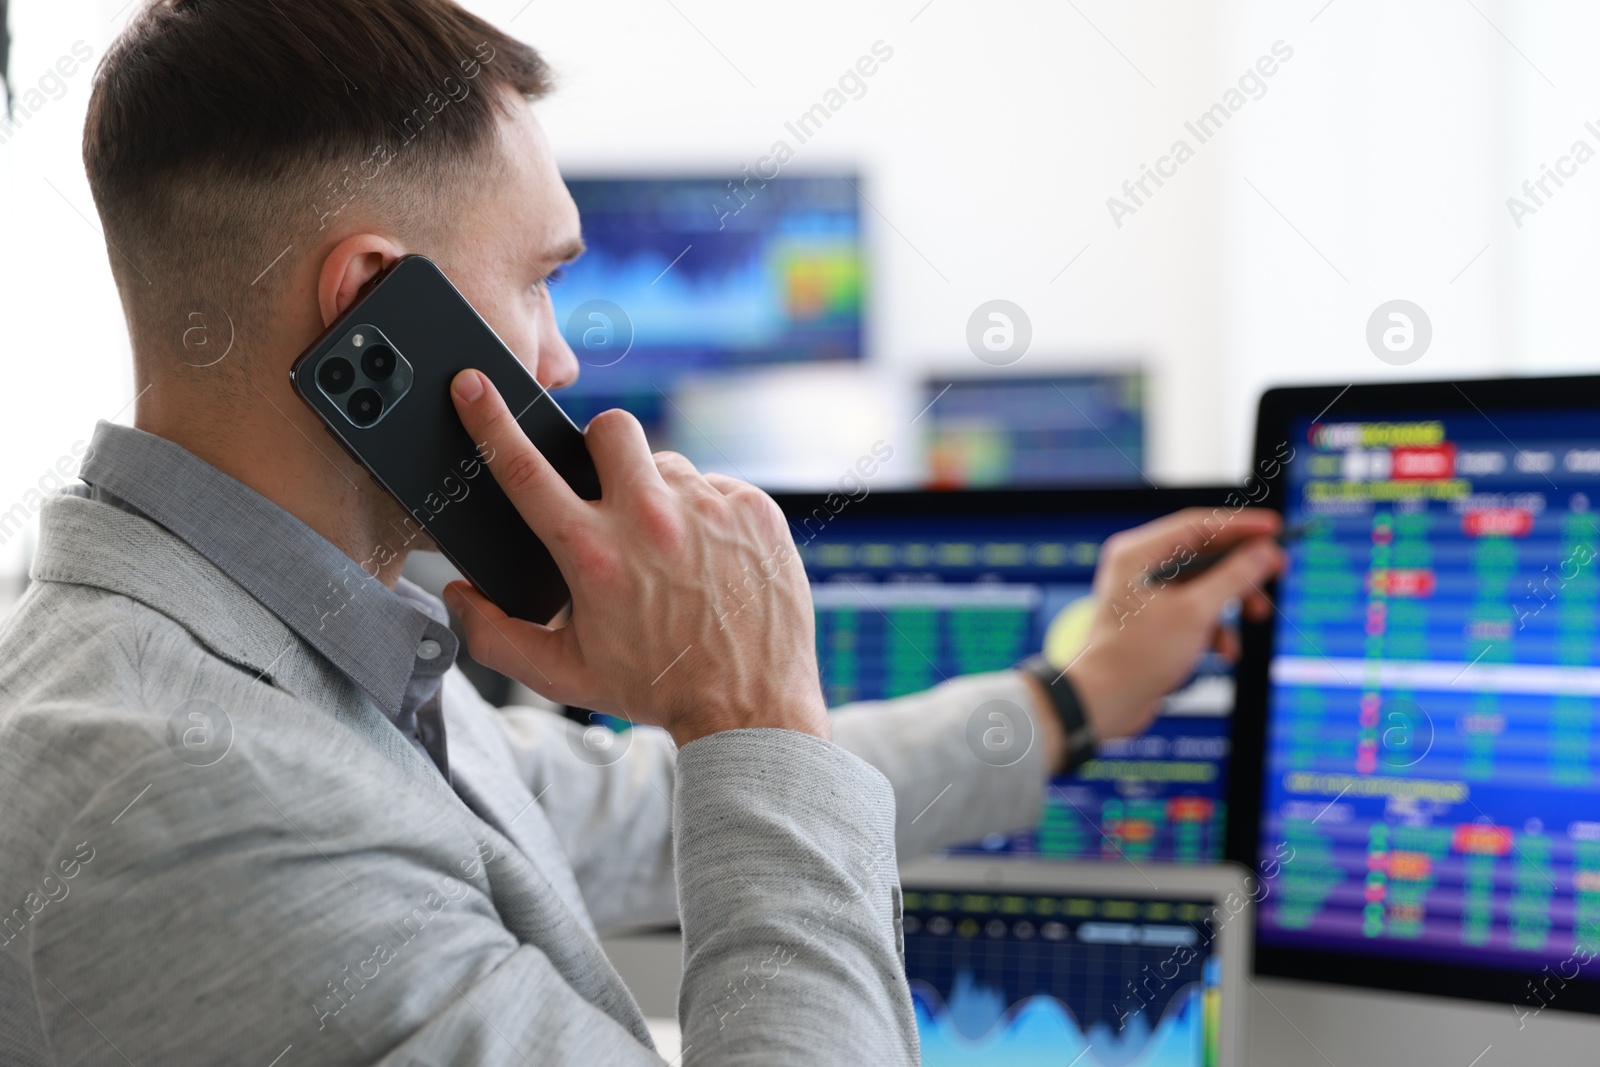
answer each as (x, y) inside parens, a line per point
(558, 366)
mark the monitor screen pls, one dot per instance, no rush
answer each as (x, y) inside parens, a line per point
(1091, 979)
(1430, 766)
(1085, 429)
(702, 274)
(914, 588)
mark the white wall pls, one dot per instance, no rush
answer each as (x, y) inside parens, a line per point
(64, 350)
(994, 137)
(990, 143)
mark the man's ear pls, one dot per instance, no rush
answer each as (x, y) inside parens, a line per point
(351, 264)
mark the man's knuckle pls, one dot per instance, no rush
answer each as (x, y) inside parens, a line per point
(660, 516)
(593, 558)
(521, 471)
(1115, 547)
(675, 461)
(710, 505)
(768, 508)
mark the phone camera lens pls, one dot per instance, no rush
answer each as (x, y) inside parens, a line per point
(378, 362)
(336, 375)
(365, 406)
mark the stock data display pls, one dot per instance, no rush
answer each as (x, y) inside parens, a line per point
(1011, 430)
(904, 604)
(704, 275)
(1431, 751)
(1027, 980)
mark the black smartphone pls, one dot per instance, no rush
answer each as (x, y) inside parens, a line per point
(379, 378)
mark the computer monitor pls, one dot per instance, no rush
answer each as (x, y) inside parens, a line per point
(703, 274)
(911, 588)
(795, 427)
(1024, 430)
(1416, 750)
(1022, 964)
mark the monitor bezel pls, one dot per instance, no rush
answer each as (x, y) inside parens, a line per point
(1218, 883)
(1068, 502)
(1279, 408)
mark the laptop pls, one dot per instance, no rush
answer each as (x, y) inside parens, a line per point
(1032, 962)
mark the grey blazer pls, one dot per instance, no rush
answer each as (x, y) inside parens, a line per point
(215, 849)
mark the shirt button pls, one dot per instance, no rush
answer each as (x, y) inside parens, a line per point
(429, 649)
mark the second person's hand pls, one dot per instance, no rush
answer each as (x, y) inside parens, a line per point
(1147, 633)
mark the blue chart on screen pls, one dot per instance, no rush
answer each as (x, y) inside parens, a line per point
(1029, 980)
(904, 603)
(1431, 720)
(711, 278)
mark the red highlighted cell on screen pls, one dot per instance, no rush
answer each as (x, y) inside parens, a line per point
(1400, 582)
(1409, 866)
(1189, 809)
(1497, 522)
(1476, 839)
(1130, 831)
(1423, 464)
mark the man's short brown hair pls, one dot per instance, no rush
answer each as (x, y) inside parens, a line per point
(223, 132)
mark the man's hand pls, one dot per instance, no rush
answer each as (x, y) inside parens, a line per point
(690, 609)
(1147, 633)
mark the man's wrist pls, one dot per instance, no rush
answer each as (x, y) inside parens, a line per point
(1078, 741)
(802, 715)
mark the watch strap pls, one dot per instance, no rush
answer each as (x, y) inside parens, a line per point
(1080, 740)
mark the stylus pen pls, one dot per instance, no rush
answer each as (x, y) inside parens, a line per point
(1206, 560)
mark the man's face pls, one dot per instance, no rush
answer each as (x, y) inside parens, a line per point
(512, 234)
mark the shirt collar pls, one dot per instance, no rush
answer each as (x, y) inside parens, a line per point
(378, 636)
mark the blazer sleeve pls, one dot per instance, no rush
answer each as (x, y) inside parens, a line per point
(962, 757)
(608, 795)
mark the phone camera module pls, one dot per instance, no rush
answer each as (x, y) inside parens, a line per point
(364, 377)
(378, 362)
(365, 406)
(337, 375)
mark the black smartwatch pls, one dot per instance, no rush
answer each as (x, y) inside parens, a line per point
(1080, 740)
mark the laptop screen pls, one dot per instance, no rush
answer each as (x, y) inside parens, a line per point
(1088, 979)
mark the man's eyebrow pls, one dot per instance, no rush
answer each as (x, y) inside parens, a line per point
(567, 252)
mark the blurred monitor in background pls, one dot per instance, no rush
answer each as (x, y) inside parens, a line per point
(817, 427)
(1006, 430)
(696, 275)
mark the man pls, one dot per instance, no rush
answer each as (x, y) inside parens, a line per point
(253, 812)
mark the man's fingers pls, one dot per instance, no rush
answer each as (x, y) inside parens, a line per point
(541, 496)
(676, 469)
(1239, 576)
(1193, 530)
(620, 452)
(532, 654)
(1258, 607)
(1226, 642)
(725, 483)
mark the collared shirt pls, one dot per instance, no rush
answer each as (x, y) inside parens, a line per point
(393, 643)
